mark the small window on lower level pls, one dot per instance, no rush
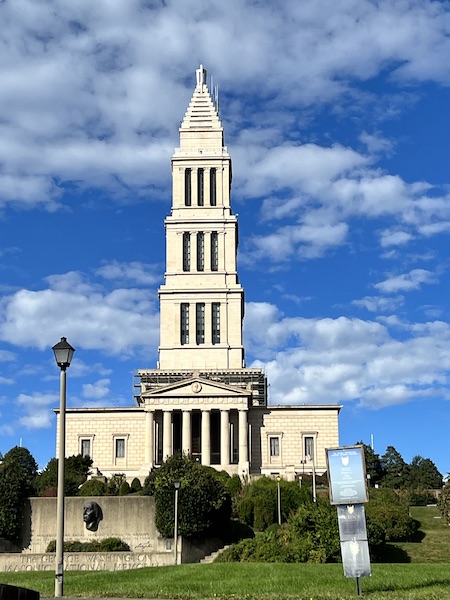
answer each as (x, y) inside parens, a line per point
(120, 448)
(309, 447)
(274, 446)
(85, 447)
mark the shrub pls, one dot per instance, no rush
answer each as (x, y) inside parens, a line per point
(391, 513)
(114, 483)
(136, 485)
(124, 488)
(444, 503)
(105, 545)
(93, 487)
(421, 498)
(204, 507)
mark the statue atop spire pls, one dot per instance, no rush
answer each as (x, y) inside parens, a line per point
(201, 75)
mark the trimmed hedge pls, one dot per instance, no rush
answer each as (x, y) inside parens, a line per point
(110, 544)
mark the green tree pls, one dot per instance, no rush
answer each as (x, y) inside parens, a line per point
(396, 470)
(204, 507)
(13, 493)
(76, 473)
(23, 460)
(257, 506)
(374, 468)
(424, 474)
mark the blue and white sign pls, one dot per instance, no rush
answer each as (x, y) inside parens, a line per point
(347, 475)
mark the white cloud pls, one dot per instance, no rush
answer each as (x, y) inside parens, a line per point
(97, 390)
(37, 406)
(406, 281)
(380, 304)
(139, 273)
(117, 322)
(340, 360)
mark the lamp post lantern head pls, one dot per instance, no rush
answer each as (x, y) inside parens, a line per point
(177, 484)
(63, 353)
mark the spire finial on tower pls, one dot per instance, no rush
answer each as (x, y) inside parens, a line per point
(201, 75)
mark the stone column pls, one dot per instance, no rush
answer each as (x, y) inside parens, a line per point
(186, 435)
(167, 434)
(224, 437)
(243, 437)
(206, 438)
(149, 440)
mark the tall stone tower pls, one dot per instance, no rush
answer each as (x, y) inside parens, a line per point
(202, 303)
(197, 400)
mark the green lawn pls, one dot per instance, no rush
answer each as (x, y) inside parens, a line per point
(433, 542)
(247, 581)
(415, 580)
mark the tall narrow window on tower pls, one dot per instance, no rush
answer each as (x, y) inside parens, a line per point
(186, 251)
(200, 187)
(212, 187)
(187, 187)
(215, 323)
(200, 322)
(184, 320)
(214, 251)
(200, 251)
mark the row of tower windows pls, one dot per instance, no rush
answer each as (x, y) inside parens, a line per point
(200, 323)
(200, 262)
(200, 187)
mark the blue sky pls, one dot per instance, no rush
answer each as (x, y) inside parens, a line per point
(336, 115)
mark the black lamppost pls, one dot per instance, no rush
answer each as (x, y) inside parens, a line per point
(63, 355)
(176, 485)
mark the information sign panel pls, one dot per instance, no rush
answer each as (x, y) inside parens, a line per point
(347, 475)
(356, 558)
(352, 522)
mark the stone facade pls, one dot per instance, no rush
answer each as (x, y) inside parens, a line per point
(201, 398)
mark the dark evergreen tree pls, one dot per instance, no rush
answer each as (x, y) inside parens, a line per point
(76, 473)
(18, 471)
(396, 470)
(424, 474)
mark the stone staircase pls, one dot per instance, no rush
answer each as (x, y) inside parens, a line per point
(209, 559)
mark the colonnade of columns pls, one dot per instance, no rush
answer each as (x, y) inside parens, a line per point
(160, 435)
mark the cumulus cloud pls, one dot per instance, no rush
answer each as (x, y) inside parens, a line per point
(37, 408)
(97, 390)
(116, 322)
(347, 359)
(406, 281)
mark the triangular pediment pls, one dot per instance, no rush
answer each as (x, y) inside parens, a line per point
(196, 387)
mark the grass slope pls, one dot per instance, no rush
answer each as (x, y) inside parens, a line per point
(432, 544)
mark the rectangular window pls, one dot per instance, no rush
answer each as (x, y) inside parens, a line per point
(274, 443)
(186, 251)
(214, 251)
(120, 448)
(212, 187)
(309, 447)
(215, 323)
(86, 447)
(200, 187)
(200, 251)
(184, 323)
(200, 322)
(187, 187)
